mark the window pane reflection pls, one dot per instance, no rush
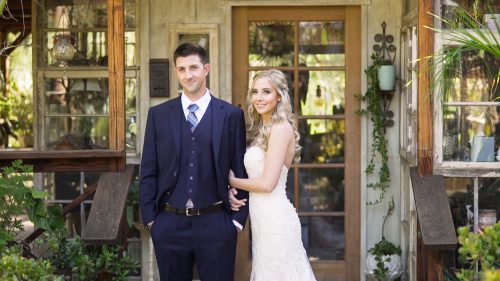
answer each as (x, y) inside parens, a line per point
(131, 132)
(76, 96)
(471, 133)
(90, 48)
(62, 133)
(323, 237)
(321, 43)
(270, 43)
(130, 51)
(321, 190)
(461, 197)
(81, 14)
(471, 78)
(62, 188)
(322, 141)
(322, 92)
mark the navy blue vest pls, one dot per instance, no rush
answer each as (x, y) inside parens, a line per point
(197, 176)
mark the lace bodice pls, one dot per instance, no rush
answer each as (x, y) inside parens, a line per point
(254, 164)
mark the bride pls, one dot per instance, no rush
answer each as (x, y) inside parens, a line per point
(277, 250)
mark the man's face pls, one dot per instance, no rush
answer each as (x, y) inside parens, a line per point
(192, 74)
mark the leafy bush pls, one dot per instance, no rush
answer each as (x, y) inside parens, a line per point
(15, 267)
(482, 248)
(19, 198)
(69, 258)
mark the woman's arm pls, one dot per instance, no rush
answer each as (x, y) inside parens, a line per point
(279, 142)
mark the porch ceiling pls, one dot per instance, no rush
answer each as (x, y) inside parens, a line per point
(16, 16)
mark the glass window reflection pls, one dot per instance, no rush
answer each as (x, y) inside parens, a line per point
(323, 141)
(322, 43)
(323, 237)
(271, 43)
(322, 92)
(321, 190)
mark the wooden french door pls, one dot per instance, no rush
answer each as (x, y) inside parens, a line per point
(319, 48)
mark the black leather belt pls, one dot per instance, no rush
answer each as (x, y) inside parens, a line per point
(190, 212)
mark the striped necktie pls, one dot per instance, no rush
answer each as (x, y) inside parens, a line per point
(192, 119)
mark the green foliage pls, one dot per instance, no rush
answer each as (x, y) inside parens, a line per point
(482, 248)
(385, 248)
(87, 261)
(374, 111)
(2, 5)
(466, 33)
(381, 251)
(14, 267)
(18, 198)
(133, 204)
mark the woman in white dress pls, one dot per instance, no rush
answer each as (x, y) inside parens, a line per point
(277, 250)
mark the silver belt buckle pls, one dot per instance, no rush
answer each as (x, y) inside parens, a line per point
(189, 212)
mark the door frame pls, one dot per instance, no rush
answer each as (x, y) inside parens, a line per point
(353, 27)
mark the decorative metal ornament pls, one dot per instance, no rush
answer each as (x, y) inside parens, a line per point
(385, 49)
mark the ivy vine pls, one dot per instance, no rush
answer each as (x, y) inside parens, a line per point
(374, 111)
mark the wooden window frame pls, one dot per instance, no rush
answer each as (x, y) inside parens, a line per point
(454, 168)
(112, 159)
(408, 122)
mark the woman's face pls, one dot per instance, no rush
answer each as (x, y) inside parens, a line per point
(265, 98)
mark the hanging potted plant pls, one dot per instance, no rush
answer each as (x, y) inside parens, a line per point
(386, 75)
(383, 262)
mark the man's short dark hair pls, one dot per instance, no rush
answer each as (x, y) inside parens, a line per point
(188, 49)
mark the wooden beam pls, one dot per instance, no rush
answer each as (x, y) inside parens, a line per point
(107, 212)
(116, 73)
(425, 108)
(65, 160)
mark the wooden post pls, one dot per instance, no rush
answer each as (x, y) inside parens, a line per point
(425, 112)
(116, 70)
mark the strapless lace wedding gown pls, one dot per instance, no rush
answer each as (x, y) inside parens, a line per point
(277, 250)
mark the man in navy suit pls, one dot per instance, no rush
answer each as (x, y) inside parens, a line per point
(190, 144)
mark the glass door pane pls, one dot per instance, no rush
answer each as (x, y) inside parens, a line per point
(312, 55)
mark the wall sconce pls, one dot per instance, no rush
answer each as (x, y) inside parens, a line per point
(386, 52)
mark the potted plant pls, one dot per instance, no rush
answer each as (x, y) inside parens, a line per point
(386, 75)
(383, 262)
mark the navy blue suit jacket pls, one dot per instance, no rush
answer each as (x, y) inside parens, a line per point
(161, 153)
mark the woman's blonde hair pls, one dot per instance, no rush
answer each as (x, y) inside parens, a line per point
(256, 131)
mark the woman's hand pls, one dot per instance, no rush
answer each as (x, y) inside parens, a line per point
(235, 202)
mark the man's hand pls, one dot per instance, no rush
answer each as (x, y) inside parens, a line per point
(235, 202)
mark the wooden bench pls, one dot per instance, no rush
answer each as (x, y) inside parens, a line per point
(107, 214)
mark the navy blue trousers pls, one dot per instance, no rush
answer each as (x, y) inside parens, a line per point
(208, 240)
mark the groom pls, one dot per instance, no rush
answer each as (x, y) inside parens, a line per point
(190, 144)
